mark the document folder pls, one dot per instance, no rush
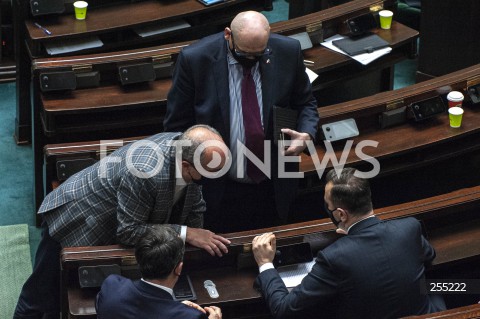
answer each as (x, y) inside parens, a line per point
(362, 44)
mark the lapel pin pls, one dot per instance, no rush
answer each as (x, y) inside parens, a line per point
(268, 61)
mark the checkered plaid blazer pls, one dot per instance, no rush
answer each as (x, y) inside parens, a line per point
(110, 203)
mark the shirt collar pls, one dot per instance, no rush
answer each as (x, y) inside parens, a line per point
(348, 229)
(169, 290)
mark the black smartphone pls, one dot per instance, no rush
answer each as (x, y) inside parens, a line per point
(361, 24)
(293, 254)
(183, 289)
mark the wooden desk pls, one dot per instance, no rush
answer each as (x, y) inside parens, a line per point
(244, 301)
(318, 26)
(114, 24)
(409, 145)
(467, 312)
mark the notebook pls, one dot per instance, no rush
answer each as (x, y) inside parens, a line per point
(362, 44)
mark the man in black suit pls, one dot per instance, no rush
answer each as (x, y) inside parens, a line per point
(159, 254)
(375, 271)
(210, 86)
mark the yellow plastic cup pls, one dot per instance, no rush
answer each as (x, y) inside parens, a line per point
(385, 19)
(455, 115)
(80, 9)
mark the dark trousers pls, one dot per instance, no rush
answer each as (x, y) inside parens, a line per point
(243, 207)
(40, 295)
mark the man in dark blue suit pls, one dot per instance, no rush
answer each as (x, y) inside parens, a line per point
(210, 86)
(375, 271)
(159, 254)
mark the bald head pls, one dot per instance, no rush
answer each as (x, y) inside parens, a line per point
(251, 31)
(201, 133)
(213, 157)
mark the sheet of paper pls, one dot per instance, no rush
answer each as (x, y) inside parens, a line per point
(311, 75)
(165, 27)
(364, 58)
(73, 45)
(293, 275)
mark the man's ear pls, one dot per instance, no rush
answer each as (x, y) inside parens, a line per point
(227, 33)
(343, 215)
(178, 270)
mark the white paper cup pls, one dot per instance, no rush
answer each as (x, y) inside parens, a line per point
(455, 98)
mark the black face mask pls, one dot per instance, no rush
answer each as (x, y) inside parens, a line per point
(199, 182)
(244, 61)
(330, 214)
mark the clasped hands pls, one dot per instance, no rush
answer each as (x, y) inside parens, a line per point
(212, 311)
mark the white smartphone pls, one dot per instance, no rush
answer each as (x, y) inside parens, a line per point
(340, 130)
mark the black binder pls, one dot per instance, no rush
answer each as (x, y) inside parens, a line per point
(283, 118)
(362, 44)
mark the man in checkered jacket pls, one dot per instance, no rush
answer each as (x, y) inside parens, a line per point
(152, 181)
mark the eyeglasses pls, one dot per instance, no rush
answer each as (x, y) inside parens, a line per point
(249, 54)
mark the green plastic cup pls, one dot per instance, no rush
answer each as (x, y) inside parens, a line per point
(80, 9)
(455, 115)
(385, 19)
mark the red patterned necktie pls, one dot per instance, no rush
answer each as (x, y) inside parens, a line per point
(252, 123)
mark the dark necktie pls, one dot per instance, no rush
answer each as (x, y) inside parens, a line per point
(252, 123)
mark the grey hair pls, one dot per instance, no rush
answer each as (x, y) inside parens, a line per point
(189, 151)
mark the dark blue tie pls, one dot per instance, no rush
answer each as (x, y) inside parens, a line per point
(252, 123)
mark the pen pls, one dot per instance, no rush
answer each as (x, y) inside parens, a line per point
(308, 62)
(43, 28)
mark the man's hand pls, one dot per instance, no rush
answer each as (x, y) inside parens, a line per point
(214, 312)
(194, 305)
(205, 239)
(297, 142)
(264, 247)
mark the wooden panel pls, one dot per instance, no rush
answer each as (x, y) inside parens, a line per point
(467, 312)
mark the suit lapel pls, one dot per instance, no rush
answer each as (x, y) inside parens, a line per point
(164, 198)
(220, 71)
(268, 76)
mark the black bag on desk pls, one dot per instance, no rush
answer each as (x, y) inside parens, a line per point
(362, 44)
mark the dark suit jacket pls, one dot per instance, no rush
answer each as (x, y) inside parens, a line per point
(200, 94)
(373, 272)
(122, 298)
